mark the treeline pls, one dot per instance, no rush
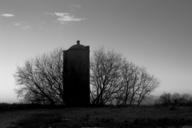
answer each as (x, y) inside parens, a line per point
(175, 99)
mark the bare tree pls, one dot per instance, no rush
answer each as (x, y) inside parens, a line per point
(136, 84)
(115, 80)
(175, 99)
(165, 99)
(40, 79)
(105, 76)
(129, 77)
(147, 83)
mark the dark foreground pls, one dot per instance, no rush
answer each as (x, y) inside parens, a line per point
(105, 117)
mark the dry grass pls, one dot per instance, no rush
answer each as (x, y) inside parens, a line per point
(107, 117)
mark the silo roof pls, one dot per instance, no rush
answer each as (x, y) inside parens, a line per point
(77, 46)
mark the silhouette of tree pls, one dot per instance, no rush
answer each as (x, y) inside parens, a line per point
(129, 78)
(165, 99)
(105, 76)
(116, 81)
(136, 84)
(186, 99)
(147, 83)
(40, 79)
(175, 99)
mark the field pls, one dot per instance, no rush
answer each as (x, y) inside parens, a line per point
(97, 117)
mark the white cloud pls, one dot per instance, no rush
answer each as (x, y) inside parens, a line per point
(17, 24)
(7, 15)
(74, 7)
(63, 17)
(22, 25)
(26, 27)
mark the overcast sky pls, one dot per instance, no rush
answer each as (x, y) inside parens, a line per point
(156, 34)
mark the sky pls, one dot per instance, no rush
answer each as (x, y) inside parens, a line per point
(155, 34)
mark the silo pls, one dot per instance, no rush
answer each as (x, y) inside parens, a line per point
(76, 76)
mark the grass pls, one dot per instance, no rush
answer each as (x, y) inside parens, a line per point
(106, 117)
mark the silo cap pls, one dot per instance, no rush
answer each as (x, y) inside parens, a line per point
(78, 42)
(78, 46)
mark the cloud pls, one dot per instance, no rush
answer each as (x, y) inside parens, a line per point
(17, 24)
(7, 15)
(63, 17)
(75, 7)
(22, 25)
(26, 27)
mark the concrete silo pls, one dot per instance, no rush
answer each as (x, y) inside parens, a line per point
(76, 83)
